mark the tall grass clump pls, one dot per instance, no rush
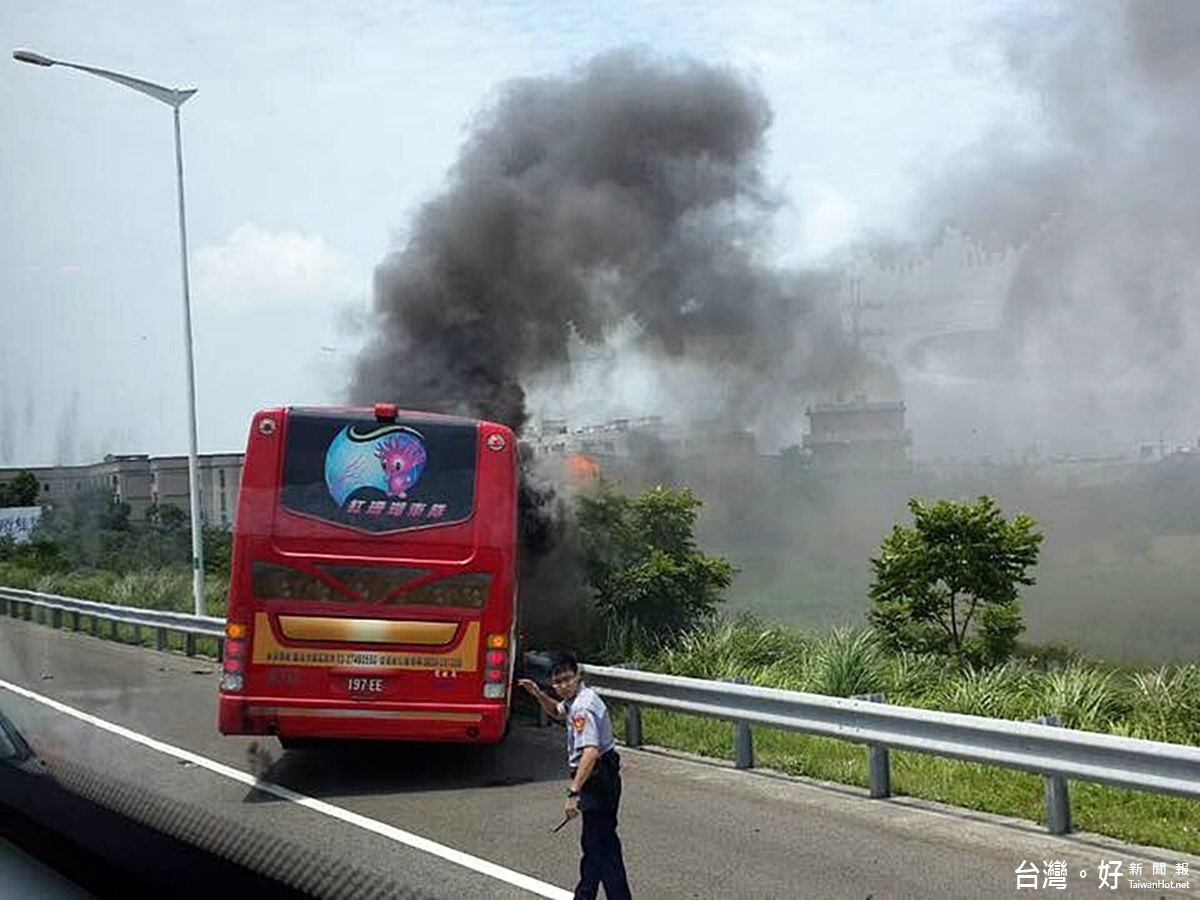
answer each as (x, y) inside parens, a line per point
(1085, 696)
(17, 576)
(1007, 691)
(170, 589)
(909, 679)
(1165, 705)
(167, 588)
(846, 662)
(742, 648)
(163, 589)
(88, 585)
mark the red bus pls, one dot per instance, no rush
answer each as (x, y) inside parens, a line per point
(373, 589)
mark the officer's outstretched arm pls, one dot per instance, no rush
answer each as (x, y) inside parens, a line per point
(545, 701)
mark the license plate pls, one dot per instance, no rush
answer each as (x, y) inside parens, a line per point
(358, 685)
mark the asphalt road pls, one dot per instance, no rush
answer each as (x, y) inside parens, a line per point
(690, 828)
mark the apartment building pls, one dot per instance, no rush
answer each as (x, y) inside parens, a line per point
(142, 481)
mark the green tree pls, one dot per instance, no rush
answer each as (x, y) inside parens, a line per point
(218, 550)
(21, 491)
(167, 517)
(640, 559)
(949, 583)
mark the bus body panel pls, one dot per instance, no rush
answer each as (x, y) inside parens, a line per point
(350, 632)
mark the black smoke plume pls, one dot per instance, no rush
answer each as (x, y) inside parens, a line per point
(631, 189)
(628, 194)
(1099, 206)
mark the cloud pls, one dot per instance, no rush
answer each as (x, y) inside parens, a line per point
(254, 268)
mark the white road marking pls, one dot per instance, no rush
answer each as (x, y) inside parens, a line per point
(458, 857)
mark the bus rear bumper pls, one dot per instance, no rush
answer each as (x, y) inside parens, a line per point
(475, 723)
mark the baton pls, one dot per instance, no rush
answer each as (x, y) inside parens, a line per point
(559, 826)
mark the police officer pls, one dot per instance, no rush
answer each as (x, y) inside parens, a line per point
(595, 778)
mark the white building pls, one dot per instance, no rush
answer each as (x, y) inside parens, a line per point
(143, 481)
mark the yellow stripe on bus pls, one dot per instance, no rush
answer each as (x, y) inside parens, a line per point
(367, 631)
(267, 651)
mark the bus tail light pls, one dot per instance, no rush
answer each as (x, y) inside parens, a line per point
(495, 667)
(233, 659)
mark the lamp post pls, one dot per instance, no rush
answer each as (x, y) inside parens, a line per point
(174, 98)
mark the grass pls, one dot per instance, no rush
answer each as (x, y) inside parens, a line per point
(158, 589)
(1161, 704)
(169, 589)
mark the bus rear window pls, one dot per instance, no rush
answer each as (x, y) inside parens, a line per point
(380, 478)
(368, 584)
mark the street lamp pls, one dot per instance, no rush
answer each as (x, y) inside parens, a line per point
(174, 98)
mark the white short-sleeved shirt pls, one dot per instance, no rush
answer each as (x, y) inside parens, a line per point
(588, 724)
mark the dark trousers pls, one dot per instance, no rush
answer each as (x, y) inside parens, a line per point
(602, 862)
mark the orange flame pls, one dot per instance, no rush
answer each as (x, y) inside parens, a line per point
(581, 468)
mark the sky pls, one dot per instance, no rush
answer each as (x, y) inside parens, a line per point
(318, 132)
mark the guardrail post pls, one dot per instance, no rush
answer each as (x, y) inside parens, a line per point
(1058, 797)
(633, 725)
(743, 739)
(633, 720)
(56, 618)
(95, 625)
(160, 638)
(189, 644)
(74, 620)
(879, 767)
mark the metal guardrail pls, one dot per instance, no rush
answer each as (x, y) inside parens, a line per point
(1038, 746)
(18, 603)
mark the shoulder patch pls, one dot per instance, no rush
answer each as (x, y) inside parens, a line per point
(579, 722)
